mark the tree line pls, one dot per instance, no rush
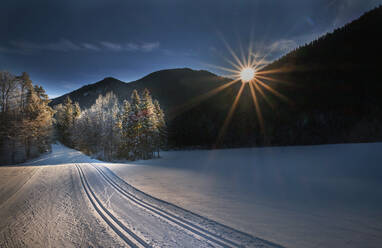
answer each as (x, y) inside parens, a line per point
(25, 119)
(135, 129)
(109, 130)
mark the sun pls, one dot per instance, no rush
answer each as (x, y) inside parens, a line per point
(250, 69)
(247, 74)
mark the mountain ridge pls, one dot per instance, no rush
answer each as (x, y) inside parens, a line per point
(152, 80)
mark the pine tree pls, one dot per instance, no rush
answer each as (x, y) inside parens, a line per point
(135, 126)
(76, 110)
(67, 122)
(37, 119)
(31, 109)
(65, 117)
(125, 145)
(75, 137)
(161, 136)
(44, 121)
(104, 116)
(149, 124)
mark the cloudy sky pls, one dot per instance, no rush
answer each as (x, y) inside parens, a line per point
(66, 44)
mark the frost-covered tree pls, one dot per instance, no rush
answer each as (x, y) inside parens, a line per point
(100, 127)
(38, 119)
(135, 129)
(161, 137)
(108, 130)
(125, 145)
(25, 118)
(84, 136)
(76, 110)
(36, 116)
(149, 125)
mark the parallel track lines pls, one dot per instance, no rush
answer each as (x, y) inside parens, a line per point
(184, 224)
(121, 230)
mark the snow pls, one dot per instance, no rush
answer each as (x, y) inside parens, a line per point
(44, 207)
(68, 199)
(311, 196)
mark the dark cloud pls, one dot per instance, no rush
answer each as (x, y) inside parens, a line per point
(90, 46)
(130, 46)
(64, 45)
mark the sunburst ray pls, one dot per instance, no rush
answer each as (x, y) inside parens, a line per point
(275, 71)
(274, 80)
(263, 95)
(197, 100)
(233, 54)
(275, 92)
(222, 68)
(257, 107)
(229, 115)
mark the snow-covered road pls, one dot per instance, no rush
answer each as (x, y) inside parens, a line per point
(66, 199)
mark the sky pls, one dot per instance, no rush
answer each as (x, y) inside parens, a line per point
(64, 45)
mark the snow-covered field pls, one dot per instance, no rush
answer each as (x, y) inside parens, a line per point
(318, 196)
(313, 196)
(67, 199)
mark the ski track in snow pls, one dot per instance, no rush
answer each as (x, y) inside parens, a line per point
(49, 211)
(127, 235)
(66, 199)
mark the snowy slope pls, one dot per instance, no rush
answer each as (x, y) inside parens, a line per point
(313, 196)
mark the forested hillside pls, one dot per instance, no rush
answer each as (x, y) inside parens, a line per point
(334, 87)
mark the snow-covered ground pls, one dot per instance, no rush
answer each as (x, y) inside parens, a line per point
(312, 196)
(66, 199)
(42, 205)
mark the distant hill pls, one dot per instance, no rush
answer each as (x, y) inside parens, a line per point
(334, 85)
(171, 87)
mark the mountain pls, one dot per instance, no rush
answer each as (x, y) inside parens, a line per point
(171, 87)
(340, 68)
(333, 84)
